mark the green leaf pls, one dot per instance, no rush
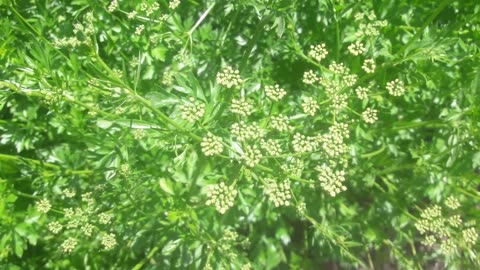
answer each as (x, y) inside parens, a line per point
(162, 99)
(166, 185)
(139, 124)
(171, 246)
(280, 22)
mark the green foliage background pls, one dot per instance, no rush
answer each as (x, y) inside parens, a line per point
(69, 118)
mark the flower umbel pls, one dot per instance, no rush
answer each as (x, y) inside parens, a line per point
(395, 87)
(221, 196)
(274, 92)
(331, 181)
(192, 111)
(278, 192)
(43, 205)
(318, 52)
(211, 145)
(229, 77)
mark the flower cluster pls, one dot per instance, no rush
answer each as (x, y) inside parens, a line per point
(221, 196)
(271, 146)
(280, 123)
(43, 206)
(310, 105)
(369, 26)
(318, 52)
(108, 241)
(395, 87)
(452, 203)
(211, 145)
(338, 68)
(309, 77)
(293, 166)
(331, 181)
(278, 193)
(229, 77)
(192, 111)
(252, 155)
(243, 132)
(356, 48)
(113, 6)
(55, 227)
(82, 221)
(369, 65)
(362, 92)
(139, 134)
(173, 4)
(370, 115)
(447, 230)
(69, 245)
(302, 143)
(275, 92)
(333, 142)
(242, 106)
(339, 101)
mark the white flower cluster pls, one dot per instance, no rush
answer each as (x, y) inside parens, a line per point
(43, 206)
(252, 155)
(275, 92)
(105, 218)
(280, 123)
(173, 4)
(331, 86)
(229, 77)
(318, 52)
(211, 145)
(338, 68)
(309, 77)
(309, 105)
(470, 236)
(139, 29)
(369, 65)
(445, 229)
(271, 146)
(55, 227)
(113, 6)
(221, 196)
(278, 193)
(69, 245)
(356, 48)
(452, 203)
(108, 241)
(149, 9)
(349, 80)
(331, 181)
(242, 106)
(370, 115)
(243, 132)
(339, 101)
(139, 134)
(362, 92)
(87, 229)
(370, 26)
(293, 167)
(395, 88)
(192, 111)
(302, 143)
(333, 142)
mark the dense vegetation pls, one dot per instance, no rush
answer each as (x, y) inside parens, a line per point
(239, 134)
